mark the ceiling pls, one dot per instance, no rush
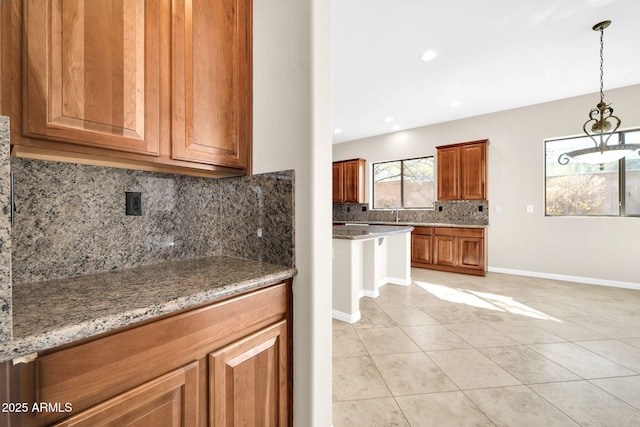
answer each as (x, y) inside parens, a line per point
(492, 55)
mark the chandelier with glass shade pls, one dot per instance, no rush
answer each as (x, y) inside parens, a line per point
(601, 125)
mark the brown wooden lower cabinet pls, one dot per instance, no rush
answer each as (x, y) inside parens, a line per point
(421, 252)
(459, 250)
(247, 380)
(226, 364)
(445, 250)
(170, 400)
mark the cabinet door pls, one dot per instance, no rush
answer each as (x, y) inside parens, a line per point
(448, 173)
(445, 250)
(91, 73)
(471, 252)
(472, 172)
(354, 181)
(248, 382)
(338, 183)
(170, 400)
(420, 249)
(211, 81)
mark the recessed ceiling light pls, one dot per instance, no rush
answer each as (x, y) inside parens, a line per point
(428, 55)
(454, 103)
(337, 130)
(388, 119)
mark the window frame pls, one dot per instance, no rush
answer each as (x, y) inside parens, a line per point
(621, 180)
(402, 199)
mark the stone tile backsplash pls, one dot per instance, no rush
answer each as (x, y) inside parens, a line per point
(70, 219)
(461, 212)
(5, 233)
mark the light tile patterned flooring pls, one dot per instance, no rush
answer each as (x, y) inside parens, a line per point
(499, 350)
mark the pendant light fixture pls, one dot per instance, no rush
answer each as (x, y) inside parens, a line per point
(601, 126)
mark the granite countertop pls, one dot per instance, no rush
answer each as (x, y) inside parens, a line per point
(51, 313)
(359, 232)
(416, 224)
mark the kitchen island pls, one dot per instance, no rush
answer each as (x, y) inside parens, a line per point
(453, 247)
(366, 257)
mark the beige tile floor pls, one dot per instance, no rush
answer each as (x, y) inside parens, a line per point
(500, 350)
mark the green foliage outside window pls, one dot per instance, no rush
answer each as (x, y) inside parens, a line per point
(403, 184)
(581, 189)
(575, 195)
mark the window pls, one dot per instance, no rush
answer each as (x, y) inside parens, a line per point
(403, 184)
(631, 195)
(582, 189)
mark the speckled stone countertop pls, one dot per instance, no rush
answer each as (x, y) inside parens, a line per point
(415, 224)
(51, 313)
(360, 232)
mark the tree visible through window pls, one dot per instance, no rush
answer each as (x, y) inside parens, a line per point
(582, 189)
(403, 184)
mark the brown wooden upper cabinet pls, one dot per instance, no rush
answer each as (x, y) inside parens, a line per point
(211, 60)
(92, 75)
(166, 83)
(348, 181)
(462, 171)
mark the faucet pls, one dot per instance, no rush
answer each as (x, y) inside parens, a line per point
(395, 208)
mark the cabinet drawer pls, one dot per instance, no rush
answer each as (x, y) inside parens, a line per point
(95, 371)
(459, 232)
(170, 400)
(425, 231)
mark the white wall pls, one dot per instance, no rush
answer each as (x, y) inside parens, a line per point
(292, 130)
(594, 250)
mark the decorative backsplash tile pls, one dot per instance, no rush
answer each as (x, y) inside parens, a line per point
(257, 221)
(461, 212)
(70, 219)
(5, 233)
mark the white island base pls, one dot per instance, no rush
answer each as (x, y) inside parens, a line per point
(366, 258)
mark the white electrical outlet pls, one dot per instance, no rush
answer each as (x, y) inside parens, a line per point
(529, 208)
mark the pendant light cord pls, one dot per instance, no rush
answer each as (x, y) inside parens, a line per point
(601, 64)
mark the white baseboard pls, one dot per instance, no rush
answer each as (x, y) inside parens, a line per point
(386, 281)
(393, 281)
(577, 279)
(370, 294)
(401, 282)
(344, 317)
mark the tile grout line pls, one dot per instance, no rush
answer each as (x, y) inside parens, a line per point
(557, 289)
